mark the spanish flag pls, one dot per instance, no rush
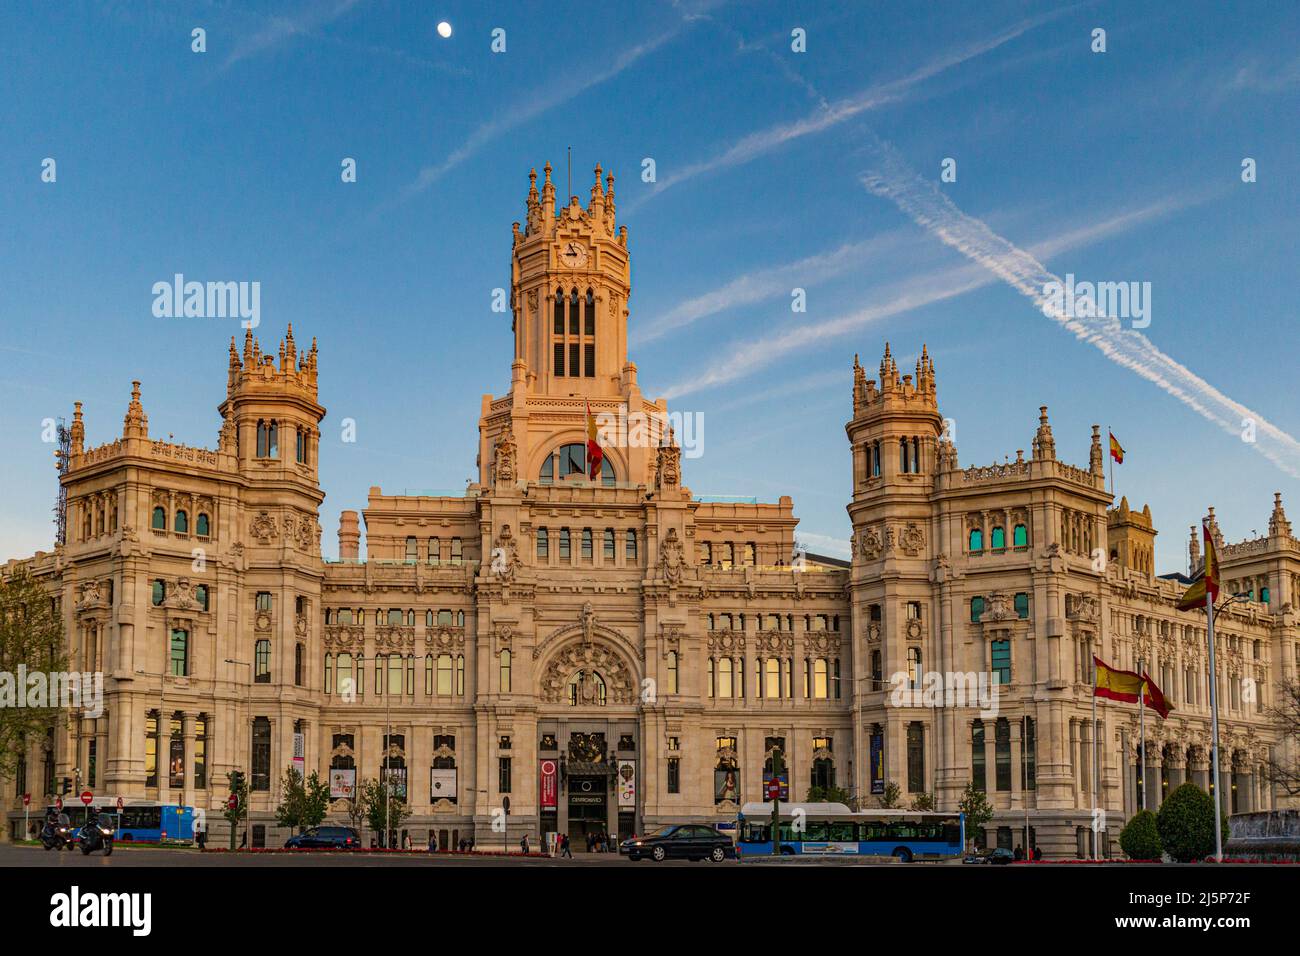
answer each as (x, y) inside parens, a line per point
(1115, 684)
(595, 456)
(1207, 581)
(1153, 698)
(1116, 449)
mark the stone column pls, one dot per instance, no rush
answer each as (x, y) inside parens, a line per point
(187, 732)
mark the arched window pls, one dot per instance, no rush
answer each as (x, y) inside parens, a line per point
(573, 319)
(589, 315)
(159, 522)
(267, 439)
(875, 459)
(345, 684)
(202, 526)
(262, 662)
(672, 672)
(505, 672)
(559, 316)
(976, 540)
(772, 677)
(998, 539)
(444, 675)
(903, 456)
(1020, 536)
(572, 460)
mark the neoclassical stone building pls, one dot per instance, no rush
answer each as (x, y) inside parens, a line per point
(614, 652)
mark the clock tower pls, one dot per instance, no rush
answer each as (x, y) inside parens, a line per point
(570, 279)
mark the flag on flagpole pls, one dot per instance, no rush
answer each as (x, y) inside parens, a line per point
(595, 454)
(1153, 698)
(1207, 582)
(1115, 684)
(1116, 449)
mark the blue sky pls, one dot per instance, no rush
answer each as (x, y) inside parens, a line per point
(774, 170)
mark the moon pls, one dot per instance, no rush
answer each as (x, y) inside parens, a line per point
(444, 29)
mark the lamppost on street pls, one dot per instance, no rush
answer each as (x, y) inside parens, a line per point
(248, 816)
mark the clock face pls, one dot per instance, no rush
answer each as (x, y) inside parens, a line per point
(573, 254)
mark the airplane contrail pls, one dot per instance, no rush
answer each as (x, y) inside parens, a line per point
(921, 201)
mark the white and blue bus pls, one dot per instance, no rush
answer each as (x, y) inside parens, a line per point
(155, 823)
(832, 829)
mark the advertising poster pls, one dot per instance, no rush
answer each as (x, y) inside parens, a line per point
(627, 784)
(442, 784)
(548, 790)
(342, 784)
(877, 763)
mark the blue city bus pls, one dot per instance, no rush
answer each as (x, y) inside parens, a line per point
(832, 829)
(155, 823)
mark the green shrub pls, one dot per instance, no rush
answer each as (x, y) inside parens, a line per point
(1140, 838)
(1186, 824)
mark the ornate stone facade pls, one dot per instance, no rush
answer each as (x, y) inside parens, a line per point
(650, 647)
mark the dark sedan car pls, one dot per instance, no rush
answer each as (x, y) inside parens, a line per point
(680, 841)
(325, 838)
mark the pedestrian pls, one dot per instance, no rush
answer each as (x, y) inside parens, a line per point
(243, 840)
(201, 838)
(433, 842)
(406, 839)
(564, 847)
(523, 844)
(1019, 854)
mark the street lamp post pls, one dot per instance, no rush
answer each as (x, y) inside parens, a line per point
(247, 813)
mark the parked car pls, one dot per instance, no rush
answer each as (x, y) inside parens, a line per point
(997, 857)
(680, 841)
(325, 838)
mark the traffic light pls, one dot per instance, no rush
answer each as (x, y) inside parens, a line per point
(236, 781)
(67, 786)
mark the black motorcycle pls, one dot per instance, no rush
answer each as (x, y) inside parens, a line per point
(96, 835)
(57, 833)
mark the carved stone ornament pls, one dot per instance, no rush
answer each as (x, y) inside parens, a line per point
(503, 460)
(912, 539)
(672, 564)
(587, 659)
(262, 528)
(505, 555)
(871, 543)
(999, 608)
(668, 464)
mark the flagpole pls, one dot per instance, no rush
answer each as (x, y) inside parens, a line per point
(1142, 729)
(1111, 455)
(1214, 724)
(1096, 770)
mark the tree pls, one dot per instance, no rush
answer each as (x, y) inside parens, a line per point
(239, 788)
(1281, 770)
(304, 803)
(31, 639)
(1186, 824)
(974, 803)
(923, 802)
(830, 794)
(1140, 838)
(355, 811)
(381, 801)
(890, 799)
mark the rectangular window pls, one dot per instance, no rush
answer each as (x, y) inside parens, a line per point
(180, 653)
(503, 774)
(543, 544)
(1022, 605)
(263, 600)
(589, 360)
(609, 550)
(559, 358)
(261, 777)
(674, 775)
(1002, 754)
(631, 545)
(564, 544)
(435, 550)
(916, 757)
(262, 662)
(1001, 659)
(977, 757)
(586, 544)
(456, 552)
(201, 752)
(151, 749)
(575, 358)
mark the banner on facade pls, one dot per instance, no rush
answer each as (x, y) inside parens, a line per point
(342, 784)
(442, 784)
(627, 784)
(877, 763)
(299, 753)
(782, 779)
(726, 785)
(548, 790)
